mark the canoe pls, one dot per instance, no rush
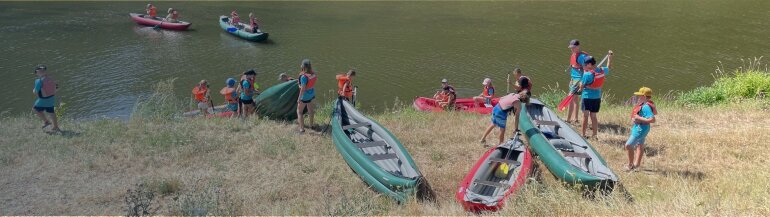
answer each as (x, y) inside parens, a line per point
(564, 152)
(147, 21)
(375, 154)
(218, 111)
(482, 190)
(224, 23)
(278, 102)
(461, 104)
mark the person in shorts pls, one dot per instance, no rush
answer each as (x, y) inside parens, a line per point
(508, 104)
(591, 86)
(45, 89)
(642, 116)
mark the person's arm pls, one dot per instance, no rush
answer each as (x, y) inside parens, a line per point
(345, 87)
(301, 88)
(516, 113)
(583, 82)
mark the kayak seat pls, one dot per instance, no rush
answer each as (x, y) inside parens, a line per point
(561, 145)
(509, 162)
(363, 124)
(554, 124)
(371, 144)
(388, 156)
(576, 154)
(488, 183)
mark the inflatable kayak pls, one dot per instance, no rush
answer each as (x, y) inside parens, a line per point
(487, 187)
(278, 102)
(143, 19)
(224, 22)
(461, 104)
(218, 111)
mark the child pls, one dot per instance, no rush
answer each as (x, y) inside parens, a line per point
(45, 88)
(642, 116)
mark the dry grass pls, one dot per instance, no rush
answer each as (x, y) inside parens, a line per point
(700, 161)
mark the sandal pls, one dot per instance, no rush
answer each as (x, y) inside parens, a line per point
(46, 124)
(628, 168)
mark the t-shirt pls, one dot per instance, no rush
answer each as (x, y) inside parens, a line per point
(588, 78)
(41, 102)
(245, 84)
(577, 74)
(641, 129)
(309, 92)
(506, 102)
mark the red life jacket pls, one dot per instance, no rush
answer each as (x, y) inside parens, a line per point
(310, 80)
(152, 11)
(199, 92)
(343, 79)
(486, 91)
(573, 61)
(598, 79)
(638, 108)
(253, 22)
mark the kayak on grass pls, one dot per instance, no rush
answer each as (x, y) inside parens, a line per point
(143, 19)
(461, 104)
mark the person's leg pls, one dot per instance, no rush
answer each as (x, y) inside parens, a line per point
(502, 136)
(300, 116)
(594, 124)
(585, 122)
(39, 113)
(311, 112)
(630, 151)
(55, 121)
(486, 133)
(639, 155)
(576, 104)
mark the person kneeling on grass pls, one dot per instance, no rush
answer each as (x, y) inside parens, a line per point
(45, 88)
(507, 104)
(642, 116)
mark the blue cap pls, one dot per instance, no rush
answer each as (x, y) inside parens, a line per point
(230, 82)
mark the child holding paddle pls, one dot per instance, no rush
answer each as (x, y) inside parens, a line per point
(591, 86)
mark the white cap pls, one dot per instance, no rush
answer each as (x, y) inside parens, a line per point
(486, 81)
(444, 80)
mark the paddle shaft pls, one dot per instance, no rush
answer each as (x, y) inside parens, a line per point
(508, 84)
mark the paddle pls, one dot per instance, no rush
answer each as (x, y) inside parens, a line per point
(157, 27)
(508, 84)
(563, 104)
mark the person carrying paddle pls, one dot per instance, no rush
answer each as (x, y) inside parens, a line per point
(307, 79)
(345, 84)
(173, 16)
(151, 11)
(576, 63)
(45, 89)
(253, 25)
(248, 92)
(486, 94)
(508, 104)
(522, 82)
(230, 94)
(446, 97)
(642, 116)
(591, 86)
(202, 97)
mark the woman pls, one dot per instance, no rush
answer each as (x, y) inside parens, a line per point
(486, 95)
(506, 105)
(307, 79)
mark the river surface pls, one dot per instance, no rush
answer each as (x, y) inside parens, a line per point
(105, 63)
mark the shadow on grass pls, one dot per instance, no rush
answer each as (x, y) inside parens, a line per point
(64, 133)
(688, 174)
(614, 129)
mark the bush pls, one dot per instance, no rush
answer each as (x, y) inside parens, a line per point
(744, 83)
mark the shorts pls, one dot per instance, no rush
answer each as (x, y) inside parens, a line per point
(203, 105)
(247, 101)
(499, 117)
(573, 86)
(46, 109)
(635, 140)
(592, 105)
(308, 101)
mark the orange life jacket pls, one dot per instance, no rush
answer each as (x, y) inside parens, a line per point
(343, 79)
(153, 11)
(486, 91)
(199, 92)
(598, 79)
(573, 61)
(638, 108)
(441, 97)
(311, 79)
(228, 92)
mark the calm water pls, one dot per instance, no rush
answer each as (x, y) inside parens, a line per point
(104, 62)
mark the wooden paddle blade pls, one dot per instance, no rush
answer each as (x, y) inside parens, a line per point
(565, 102)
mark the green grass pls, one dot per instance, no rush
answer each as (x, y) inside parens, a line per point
(746, 83)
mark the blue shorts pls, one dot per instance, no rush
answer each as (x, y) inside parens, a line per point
(636, 139)
(573, 86)
(499, 117)
(46, 109)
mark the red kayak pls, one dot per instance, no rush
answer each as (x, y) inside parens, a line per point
(461, 104)
(218, 111)
(483, 189)
(143, 19)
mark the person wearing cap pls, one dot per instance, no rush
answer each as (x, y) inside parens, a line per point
(345, 84)
(45, 89)
(307, 79)
(486, 94)
(642, 116)
(447, 96)
(283, 77)
(201, 96)
(152, 12)
(576, 63)
(522, 82)
(173, 16)
(508, 104)
(591, 86)
(248, 92)
(231, 96)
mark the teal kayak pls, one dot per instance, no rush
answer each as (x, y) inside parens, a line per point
(225, 24)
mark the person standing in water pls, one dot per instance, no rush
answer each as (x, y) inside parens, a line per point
(45, 89)
(307, 79)
(576, 63)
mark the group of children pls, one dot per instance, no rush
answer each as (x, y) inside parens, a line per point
(152, 12)
(238, 98)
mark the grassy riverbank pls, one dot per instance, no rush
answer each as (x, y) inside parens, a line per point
(700, 160)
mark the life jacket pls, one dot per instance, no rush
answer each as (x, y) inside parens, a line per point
(153, 12)
(235, 18)
(250, 90)
(253, 22)
(199, 92)
(343, 79)
(310, 80)
(441, 97)
(573, 61)
(638, 108)
(453, 94)
(598, 79)
(47, 88)
(487, 90)
(229, 94)
(174, 15)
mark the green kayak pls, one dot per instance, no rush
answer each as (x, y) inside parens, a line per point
(278, 102)
(225, 24)
(376, 155)
(567, 155)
